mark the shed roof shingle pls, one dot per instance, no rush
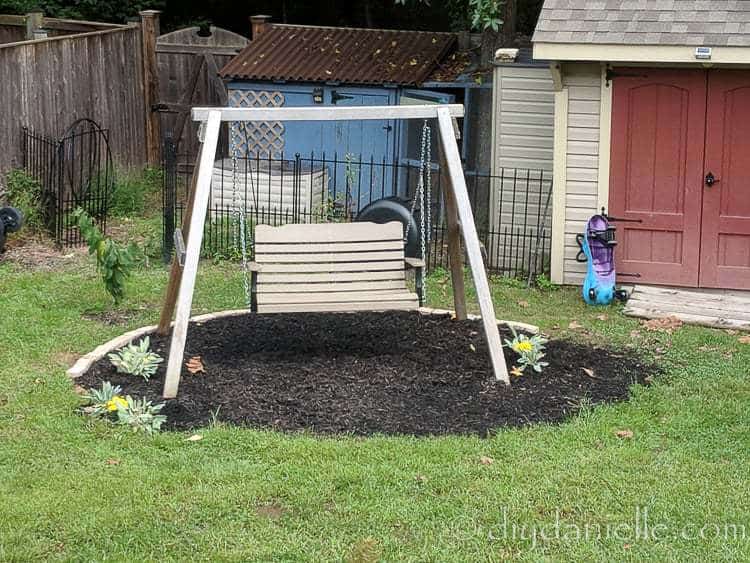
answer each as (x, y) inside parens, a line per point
(348, 55)
(645, 22)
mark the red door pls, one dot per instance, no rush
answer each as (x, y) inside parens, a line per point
(656, 175)
(725, 239)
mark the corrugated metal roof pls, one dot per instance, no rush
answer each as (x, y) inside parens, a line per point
(348, 55)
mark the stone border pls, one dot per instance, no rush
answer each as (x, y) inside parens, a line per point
(83, 364)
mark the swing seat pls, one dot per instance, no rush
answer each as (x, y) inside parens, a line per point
(331, 267)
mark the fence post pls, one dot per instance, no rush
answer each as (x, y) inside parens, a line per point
(169, 188)
(34, 21)
(149, 33)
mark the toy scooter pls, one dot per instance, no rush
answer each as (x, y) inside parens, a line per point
(598, 250)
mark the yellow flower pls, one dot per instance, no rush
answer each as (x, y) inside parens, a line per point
(116, 402)
(523, 347)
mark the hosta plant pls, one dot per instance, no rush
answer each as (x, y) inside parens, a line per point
(530, 350)
(141, 415)
(136, 359)
(103, 401)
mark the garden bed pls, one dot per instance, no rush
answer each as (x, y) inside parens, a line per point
(371, 373)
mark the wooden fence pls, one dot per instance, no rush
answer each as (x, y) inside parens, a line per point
(46, 84)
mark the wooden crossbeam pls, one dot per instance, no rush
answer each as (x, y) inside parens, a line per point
(332, 113)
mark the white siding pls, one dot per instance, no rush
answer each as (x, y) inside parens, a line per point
(584, 94)
(522, 148)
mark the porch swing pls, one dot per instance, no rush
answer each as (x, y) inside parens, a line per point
(331, 267)
(303, 267)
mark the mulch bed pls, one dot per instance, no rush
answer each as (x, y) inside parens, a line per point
(372, 373)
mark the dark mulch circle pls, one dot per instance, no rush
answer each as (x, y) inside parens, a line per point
(369, 373)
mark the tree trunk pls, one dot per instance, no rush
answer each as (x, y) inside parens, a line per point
(510, 21)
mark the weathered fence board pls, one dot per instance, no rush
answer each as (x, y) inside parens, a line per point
(47, 84)
(188, 76)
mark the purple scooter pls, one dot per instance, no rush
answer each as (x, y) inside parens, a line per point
(598, 250)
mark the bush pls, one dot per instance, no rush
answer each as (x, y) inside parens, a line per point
(25, 193)
(131, 192)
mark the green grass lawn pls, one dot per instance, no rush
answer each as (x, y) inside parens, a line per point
(73, 488)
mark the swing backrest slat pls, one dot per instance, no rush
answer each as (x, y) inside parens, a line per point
(331, 267)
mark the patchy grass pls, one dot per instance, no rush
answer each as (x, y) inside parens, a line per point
(78, 489)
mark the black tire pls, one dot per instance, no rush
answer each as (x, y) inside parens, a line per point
(394, 209)
(11, 218)
(592, 294)
(2, 239)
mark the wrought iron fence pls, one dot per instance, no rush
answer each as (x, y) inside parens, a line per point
(74, 170)
(512, 209)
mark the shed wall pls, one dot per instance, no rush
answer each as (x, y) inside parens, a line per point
(583, 83)
(523, 147)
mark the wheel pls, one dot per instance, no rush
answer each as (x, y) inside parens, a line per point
(592, 295)
(11, 218)
(622, 295)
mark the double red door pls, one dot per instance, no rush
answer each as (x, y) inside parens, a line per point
(680, 176)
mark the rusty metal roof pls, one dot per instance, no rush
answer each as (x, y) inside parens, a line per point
(338, 54)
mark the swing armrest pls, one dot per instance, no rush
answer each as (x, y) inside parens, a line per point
(254, 267)
(414, 262)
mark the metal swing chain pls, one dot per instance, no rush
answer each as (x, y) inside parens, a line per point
(239, 228)
(424, 210)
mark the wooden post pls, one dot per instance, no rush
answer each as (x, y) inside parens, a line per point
(175, 273)
(149, 33)
(34, 21)
(192, 257)
(455, 255)
(471, 240)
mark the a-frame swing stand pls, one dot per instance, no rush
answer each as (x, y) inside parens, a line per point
(458, 210)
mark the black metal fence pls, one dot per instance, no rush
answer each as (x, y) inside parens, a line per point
(512, 209)
(74, 170)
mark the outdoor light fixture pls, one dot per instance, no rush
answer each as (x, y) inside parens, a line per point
(318, 95)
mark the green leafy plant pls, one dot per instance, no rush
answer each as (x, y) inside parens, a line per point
(141, 415)
(136, 359)
(544, 283)
(114, 261)
(103, 401)
(530, 350)
(25, 192)
(485, 14)
(132, 193)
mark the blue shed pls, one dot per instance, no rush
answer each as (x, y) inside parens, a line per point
(295, 65)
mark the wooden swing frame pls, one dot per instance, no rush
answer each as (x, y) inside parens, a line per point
(460, 220)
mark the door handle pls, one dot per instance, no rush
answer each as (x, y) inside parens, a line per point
(711, 179)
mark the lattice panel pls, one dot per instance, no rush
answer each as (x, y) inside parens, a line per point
(260, 139)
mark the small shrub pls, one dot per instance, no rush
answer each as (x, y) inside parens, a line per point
(25, 193)
(114, 261)
(135, 359)
(103, 401)
(141, 415)
(530, 350)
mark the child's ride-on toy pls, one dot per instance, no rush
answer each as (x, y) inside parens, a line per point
(598, 250)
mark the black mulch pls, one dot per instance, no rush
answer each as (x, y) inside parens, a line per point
(369, 373)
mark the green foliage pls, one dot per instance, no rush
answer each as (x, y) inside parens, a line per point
(94, 10)
(114, 261)
(25, 193)
(478, 14)
(102, 400)
(141, 415)
(136, 359)
(485, 14)
(131, 192)
(530, 350)
(545, 284)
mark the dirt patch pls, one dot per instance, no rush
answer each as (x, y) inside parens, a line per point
(368, 373)
(272, 511)
(113, 317)
(41, 255)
